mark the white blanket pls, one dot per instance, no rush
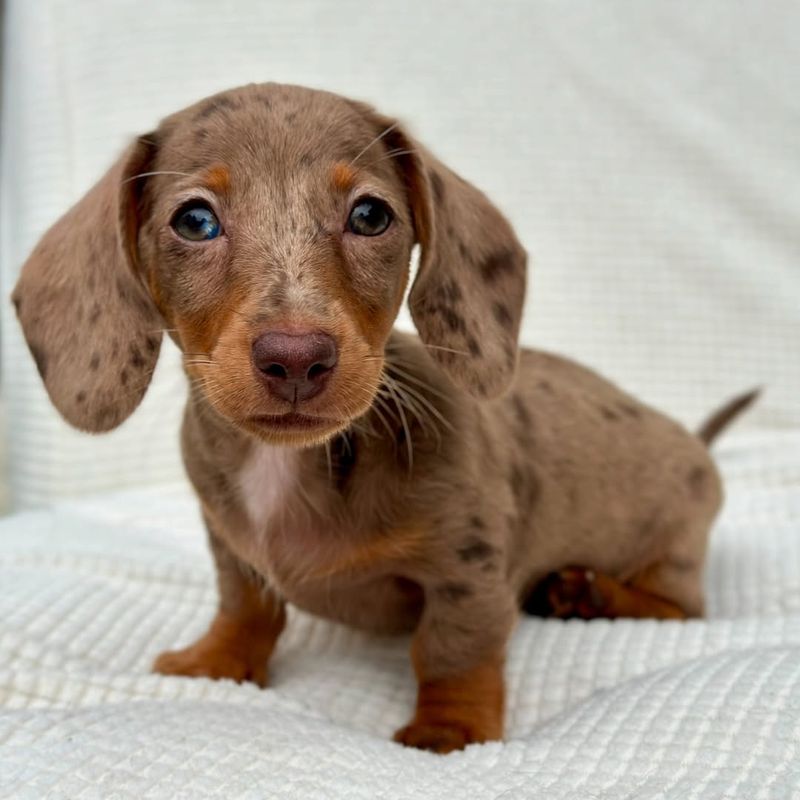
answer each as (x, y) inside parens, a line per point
(93, 590)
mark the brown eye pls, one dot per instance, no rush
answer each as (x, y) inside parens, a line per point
(369, 217)
(197, 222)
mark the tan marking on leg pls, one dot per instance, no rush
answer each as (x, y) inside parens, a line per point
(236, 646)
(457, 710)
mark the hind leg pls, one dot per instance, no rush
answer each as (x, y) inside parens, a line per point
(667, 590)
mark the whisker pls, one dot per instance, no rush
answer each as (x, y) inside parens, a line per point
(417, 394)
(330, 463)
(431, 408)
(425, 412)
(376, 139)
(404, 422)
(419, 414)
(396, 153)
(446, 349)
(414, 379)
(379, 413)
(156, 172)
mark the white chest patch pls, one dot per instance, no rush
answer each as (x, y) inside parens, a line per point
(265, 480)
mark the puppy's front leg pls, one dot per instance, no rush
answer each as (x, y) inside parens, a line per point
(458, 655)
(243, 633)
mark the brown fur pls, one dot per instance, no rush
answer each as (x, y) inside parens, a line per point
(441, 480)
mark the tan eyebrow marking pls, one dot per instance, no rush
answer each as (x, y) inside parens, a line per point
(343, 175)
(218, 179)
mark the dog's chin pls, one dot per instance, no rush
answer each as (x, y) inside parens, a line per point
(293, 429)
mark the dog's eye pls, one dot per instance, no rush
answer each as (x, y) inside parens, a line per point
(369, 217)
(197, 222)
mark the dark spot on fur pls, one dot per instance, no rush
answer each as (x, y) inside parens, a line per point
(452, 320)
(475, 549)
(449, 292)
(503, 315)
(214, 105)
(39, 359)
(136, 360)
(438, 187)
(477, 522)
(80, 397)
(94, 362)
(608, 413)
(498, 264)
(453, 591)
(123, 377)
(151, 344)
(306, 160)
(473, 346)
(631, 411)
(698, 482)
(545, 386)
(463, 250)
(95, 313)
(200, 135)
(291, 117)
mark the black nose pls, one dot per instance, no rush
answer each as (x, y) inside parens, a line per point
(294, 366)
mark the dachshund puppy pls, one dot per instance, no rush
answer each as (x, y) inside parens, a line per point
(433, 485)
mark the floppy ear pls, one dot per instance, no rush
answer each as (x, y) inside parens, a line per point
(470, 287)
(86, 315)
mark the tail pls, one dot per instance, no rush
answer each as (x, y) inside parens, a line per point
(720, 420)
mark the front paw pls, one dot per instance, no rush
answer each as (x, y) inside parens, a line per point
(207, 661)
(443, 735)
(439, 737)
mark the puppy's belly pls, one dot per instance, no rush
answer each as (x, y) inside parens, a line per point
(388, 604)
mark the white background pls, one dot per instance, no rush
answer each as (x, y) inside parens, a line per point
(646, 152)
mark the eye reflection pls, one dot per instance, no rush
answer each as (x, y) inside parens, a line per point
(369, 217)
(197, 222)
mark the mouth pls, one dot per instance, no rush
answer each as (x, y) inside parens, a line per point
(291, 422)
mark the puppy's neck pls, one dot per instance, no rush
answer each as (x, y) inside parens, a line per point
(269, 475)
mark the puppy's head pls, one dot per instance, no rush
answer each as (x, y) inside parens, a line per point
(269, 230)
